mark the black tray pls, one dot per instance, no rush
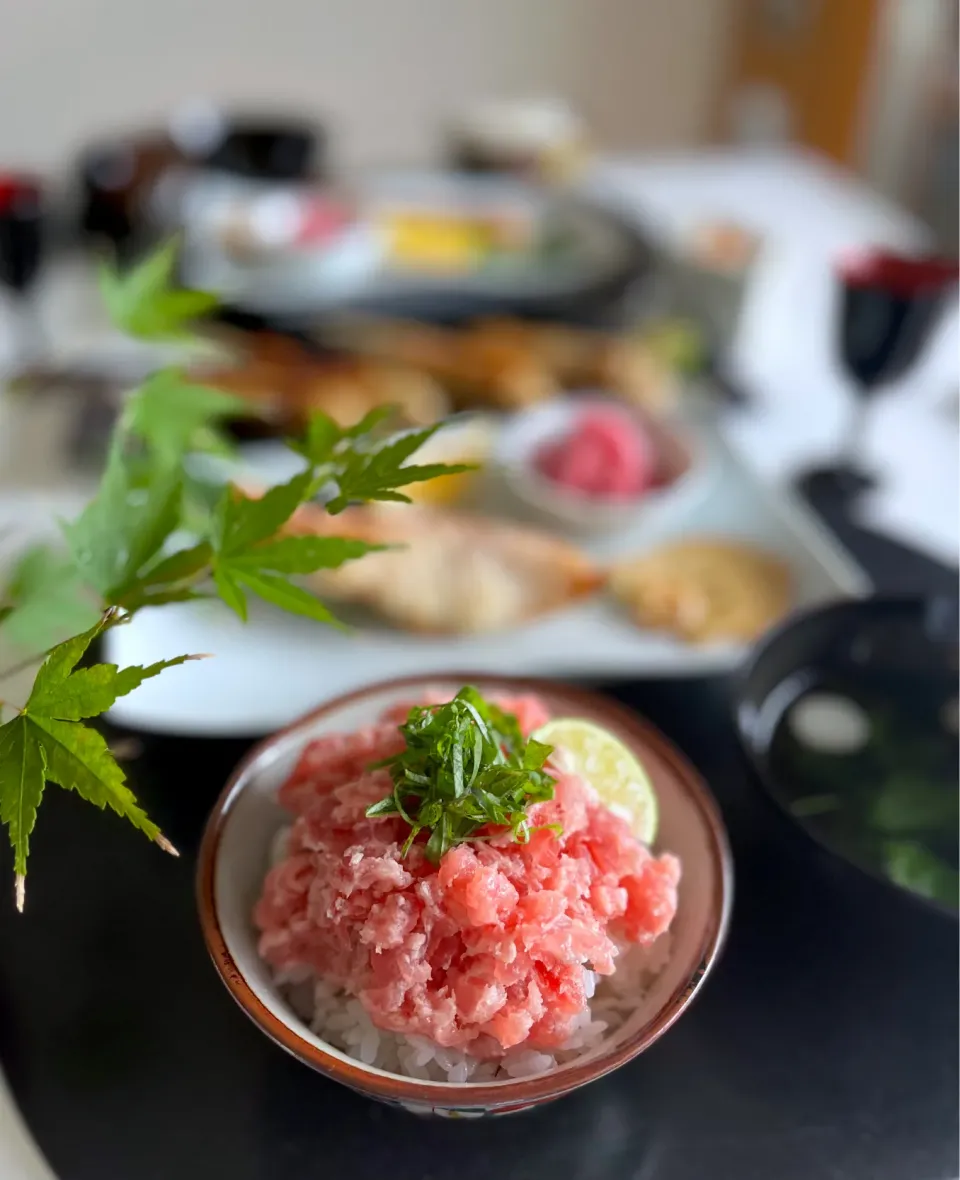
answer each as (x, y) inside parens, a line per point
(825, 1044)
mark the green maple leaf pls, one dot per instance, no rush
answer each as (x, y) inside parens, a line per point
(23, 772)
(324, 436)
(249, 556)
(125, 526)
(301, 555)
(46, 600)
(272, 588)
(362, 468)
(184, 563)
(375, 474)
(241, 521)
(174, 415)
(47, 742)
(321, 436)
(144, 302)
(119, 555)
(170, 579)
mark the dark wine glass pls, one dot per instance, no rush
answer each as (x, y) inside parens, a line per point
(21, 250)
(889, 306)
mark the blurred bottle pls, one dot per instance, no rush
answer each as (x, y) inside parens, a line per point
(115, 179)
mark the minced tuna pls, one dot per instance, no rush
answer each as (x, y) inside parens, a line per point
(488, 950)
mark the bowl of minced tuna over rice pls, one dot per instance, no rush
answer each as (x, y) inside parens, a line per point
(465, 895)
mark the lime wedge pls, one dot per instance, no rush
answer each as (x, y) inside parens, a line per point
(610, 768)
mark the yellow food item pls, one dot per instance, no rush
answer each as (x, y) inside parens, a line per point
(432, 242)
(453, 241)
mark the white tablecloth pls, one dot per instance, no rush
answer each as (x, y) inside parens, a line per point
(808, 212)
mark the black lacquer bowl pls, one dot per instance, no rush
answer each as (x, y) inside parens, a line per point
(848, 714)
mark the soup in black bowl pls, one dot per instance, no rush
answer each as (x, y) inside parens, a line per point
(849, 714)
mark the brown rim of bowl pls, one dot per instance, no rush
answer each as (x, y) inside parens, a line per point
(479, 1094)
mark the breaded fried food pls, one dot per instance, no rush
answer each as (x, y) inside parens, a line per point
(704, 589)
(289, 382)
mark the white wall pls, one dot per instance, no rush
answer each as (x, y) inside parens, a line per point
(643, 71)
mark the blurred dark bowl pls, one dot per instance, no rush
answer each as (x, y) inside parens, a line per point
(904, 644)
(115, 176)
(282, 150)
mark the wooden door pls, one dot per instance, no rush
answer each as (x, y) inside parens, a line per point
(813, 56)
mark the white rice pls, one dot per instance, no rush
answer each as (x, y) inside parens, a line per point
(343, 1022)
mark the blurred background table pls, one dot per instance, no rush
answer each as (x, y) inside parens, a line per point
(807, 211)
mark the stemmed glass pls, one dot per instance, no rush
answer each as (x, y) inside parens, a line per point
(21, 252)
(889, 306)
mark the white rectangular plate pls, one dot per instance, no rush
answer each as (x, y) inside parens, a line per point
(276, 667)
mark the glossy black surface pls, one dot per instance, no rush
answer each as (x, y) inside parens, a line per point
(895, 567)
(824, 1046)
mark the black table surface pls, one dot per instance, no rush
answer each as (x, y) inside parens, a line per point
(825, 1045)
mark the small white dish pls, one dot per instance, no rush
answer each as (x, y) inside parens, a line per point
(685, 471)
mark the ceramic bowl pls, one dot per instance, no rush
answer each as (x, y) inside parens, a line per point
(894, 651)
(234, 858)
(684, 469)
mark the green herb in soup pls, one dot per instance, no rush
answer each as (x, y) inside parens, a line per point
(891, 805)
